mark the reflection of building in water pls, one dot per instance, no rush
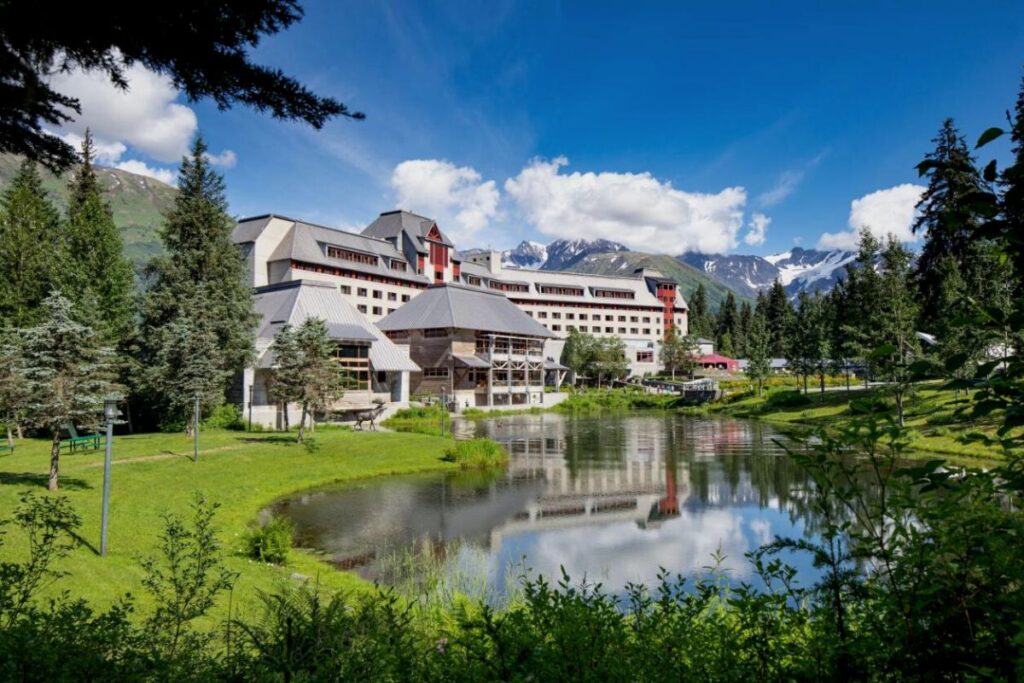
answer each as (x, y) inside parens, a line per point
(641, 483)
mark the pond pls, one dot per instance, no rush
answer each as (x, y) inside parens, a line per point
(612, 499)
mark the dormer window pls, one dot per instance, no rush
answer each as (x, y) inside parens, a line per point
(398, 265)
(351, 255)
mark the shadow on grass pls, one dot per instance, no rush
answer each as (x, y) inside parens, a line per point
(34, 479)
(280, 438)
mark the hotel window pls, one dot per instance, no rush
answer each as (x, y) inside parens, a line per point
(542, 314)
(435, 372)
(570, 327)
(435, 332)
(560, 291)
(362, 308)
(633, 330)
(622, 330)
(570, 316)
(508, 286)
(529, 313)
(349, 255)
(622, 318)
(583, 328)
(609, 330)
(556, 315)
(361, 291)
(377, 294)
(345, 289)
(397, 335)
(633, 319)
(583, 316)
(390, 311)
(473, 280)
(609, 318)
(377, 310)
(392, 296)
(556, 328)
(613, 294)
(647, 331)
(647, 321)
(398, 265)
(645, 356)
(405, 298)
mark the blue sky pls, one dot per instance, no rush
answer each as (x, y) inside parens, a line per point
(747, 127)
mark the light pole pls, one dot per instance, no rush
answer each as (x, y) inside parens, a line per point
(110, 414)
(195, 430)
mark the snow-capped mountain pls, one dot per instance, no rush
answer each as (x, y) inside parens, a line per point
(796, 269)
(559, 255)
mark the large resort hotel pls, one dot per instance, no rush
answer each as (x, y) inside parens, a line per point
(411, 316)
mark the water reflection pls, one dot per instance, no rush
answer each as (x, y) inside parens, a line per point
(613, 499)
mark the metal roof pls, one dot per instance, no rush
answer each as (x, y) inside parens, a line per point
(294, 301)
(471, 361)
(465, 308)
(391, 224)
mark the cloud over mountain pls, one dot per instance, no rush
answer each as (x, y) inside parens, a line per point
(883, 212)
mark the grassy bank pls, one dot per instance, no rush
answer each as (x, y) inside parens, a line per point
(153, 474)
(930, 414)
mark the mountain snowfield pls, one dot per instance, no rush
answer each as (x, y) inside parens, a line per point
(797, 269)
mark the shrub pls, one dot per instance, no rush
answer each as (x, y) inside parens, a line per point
(788, 399)
(226, 416)
(270, 542)
(476, 453)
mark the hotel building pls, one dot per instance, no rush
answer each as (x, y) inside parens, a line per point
(400, 254)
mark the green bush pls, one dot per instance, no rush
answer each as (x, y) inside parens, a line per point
(226, 416)
(788, 399)
(476, 453)
(270, 542)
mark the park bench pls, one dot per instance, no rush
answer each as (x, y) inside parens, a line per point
(76, 441)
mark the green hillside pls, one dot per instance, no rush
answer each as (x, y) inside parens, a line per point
(688, 277)
(138, 203)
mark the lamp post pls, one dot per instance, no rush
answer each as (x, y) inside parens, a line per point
(195, 429)
(110, 414)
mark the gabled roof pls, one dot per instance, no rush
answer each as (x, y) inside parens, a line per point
(294, 301)
(391, 224)
(465, 308)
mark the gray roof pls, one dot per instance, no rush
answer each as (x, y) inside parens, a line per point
(471, 361)
(307, 242)
(391, 224)
(248, 229)
(466, 308)
(294, 301)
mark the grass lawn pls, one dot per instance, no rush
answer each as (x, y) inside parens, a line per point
(154, 474)
(929, 414)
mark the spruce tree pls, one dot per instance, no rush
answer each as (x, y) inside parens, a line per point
(746, 319)
(779, 316)
(800, 335)
(699, 318)
(13, 386)
(285, 377)
(31, 248)
(948, 222)
(199, 285)
(727, 326)
(321, 381)
(898, 311)
(68, 374)
(759, 353)
(97, 277)
(1012, 184)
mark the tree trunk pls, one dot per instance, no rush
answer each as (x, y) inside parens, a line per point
(899, 407)
(805, 385)
(302, 424)
(284, 411)
(20, 431)
(673, 373)
(10, 437)
(847, 379)
(822, 377)
(53, 483)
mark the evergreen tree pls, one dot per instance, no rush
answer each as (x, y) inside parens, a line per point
(321, 379)
(31, 248)
(948, 222)
(746, 319)
(699, 317)
(779, 316)
(727, 326)
(677, 352)
(68, 375)
(285, 379)
(199, 286)
(1012, 184)
(759, 353)
(185, 365)
(954, 337)
(897, 320)
(97, 277)
(863, 292)
(13, 387)
(800, 335)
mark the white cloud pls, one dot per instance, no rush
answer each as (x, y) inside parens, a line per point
(756, 229)
(145, 117)
(635, 209)
(456, 196)
(884, 212)
(226, 159)
(141, 168)
(784, 186)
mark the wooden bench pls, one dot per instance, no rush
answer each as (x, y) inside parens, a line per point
(76, 441)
